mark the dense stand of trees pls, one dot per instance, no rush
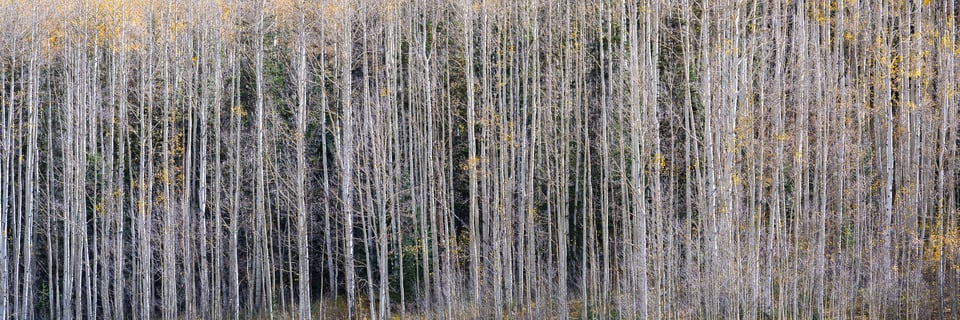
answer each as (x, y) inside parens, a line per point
(479, 159)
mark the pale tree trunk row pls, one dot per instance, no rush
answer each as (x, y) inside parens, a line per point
(479, 159)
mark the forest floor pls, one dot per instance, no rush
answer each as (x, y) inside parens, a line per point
(337, 308)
